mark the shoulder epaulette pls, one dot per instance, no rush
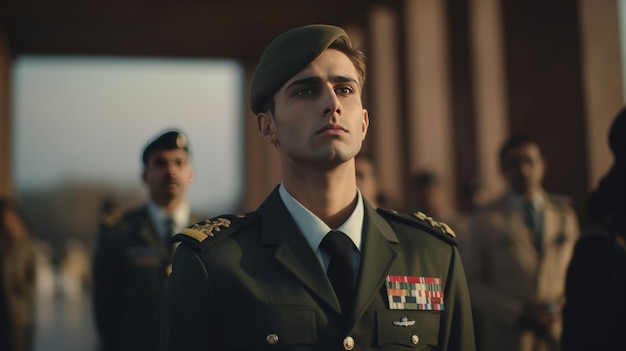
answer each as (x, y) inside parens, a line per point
(111, 220)
(206, 233)
(428, 224)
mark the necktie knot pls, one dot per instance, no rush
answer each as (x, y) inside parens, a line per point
(338, 245)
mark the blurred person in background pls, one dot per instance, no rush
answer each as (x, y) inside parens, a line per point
(367, 179)
(471, 197)
(133, 254)
(75, 271)
(594, 316)
(18, 261)
(428, 195)
(516, 254)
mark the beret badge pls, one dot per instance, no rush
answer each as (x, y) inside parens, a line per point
(181, 141)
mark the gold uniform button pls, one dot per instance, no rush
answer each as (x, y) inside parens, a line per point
(348, 343)
(271, 339)
(415, 339)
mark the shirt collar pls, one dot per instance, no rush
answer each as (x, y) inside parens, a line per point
(537, 200)
(314, 229)
(180, 215)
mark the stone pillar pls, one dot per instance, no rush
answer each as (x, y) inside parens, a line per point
(262, 166)
(6, 185)
(602, 80)
(490, 91)
(428, 90)
(545, 89)
(385, 108)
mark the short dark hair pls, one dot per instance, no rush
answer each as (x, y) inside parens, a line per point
(513, 142)
(354, 54)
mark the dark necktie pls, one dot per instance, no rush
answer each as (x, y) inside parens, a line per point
(340, 269)
(170, 230)
(532, 220)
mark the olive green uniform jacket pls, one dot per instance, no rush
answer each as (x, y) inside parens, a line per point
(130, 270)
(256, 284)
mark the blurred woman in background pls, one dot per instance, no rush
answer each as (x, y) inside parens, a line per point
(17, 279)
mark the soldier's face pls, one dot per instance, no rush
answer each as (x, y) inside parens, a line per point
(168, 174)
(318, 117)
(524, 168)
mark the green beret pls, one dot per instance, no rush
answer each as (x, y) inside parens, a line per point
(169, 140)
(287, 55)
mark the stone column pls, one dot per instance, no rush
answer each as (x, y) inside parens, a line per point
(261, 162)
(6, 185)
(429, 130)
(385, 108)
(490, 91)
(602, 80)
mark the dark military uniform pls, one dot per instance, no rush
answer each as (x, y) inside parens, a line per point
(131, 266)
(598, 267)
(254, 282)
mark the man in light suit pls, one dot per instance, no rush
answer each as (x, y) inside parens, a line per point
(133, 254)
(315, 267)
(518, 249)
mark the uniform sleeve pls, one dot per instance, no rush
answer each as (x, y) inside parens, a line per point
(188, 316)
(108, 287)
(588, 275)
(457, 327)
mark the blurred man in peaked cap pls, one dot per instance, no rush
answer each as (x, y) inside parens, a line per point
(133, 254)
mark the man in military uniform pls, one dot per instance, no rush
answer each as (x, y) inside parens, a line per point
(133, 254)
(315, 267)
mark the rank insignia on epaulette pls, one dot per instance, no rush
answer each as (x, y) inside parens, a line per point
(209, 226)
(414, 293)
(439, 225)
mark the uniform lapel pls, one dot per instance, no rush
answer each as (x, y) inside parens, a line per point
(146, 228)
(519, 235)
(552, 223)
(377, 258)
(293, 252)
(150, 234)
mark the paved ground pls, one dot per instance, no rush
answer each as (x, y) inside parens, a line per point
(63, 314)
